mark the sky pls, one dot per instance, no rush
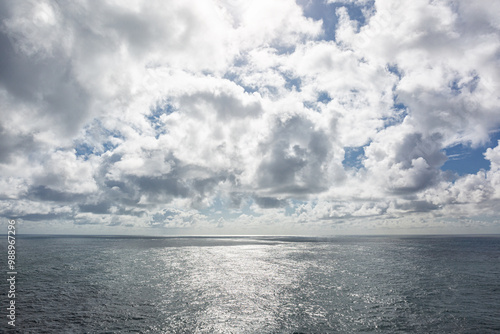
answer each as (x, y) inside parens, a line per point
(220, 117)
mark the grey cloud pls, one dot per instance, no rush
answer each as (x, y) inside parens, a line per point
(45, 84)
(414, 145)
(45, 193)
(41, 216)
(103, 206)
(416, 206)
(204, 187)
(124, 211)
(142, 32)
(99, 208)
(236, 199)
(421, 181)
(181, 181)
(115, 222)
(172, 218)
(295, 158)
(157, 189)
(12, 144)
(226, 106)
(161, 186)
(164, 215)
(85, 222)
(120, 191)
(137, 30)
(280, 169)
(17, 73)
(455, 114)
(404, 160)
(269, 202)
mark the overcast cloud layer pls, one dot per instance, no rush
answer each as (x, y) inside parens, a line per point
(229, 116)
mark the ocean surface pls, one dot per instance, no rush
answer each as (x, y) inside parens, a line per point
(437, 284)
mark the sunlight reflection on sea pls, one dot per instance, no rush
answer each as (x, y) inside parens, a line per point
(266, 285)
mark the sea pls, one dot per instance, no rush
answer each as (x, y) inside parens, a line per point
(369, 284)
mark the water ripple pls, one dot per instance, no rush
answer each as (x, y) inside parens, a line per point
(418, 285)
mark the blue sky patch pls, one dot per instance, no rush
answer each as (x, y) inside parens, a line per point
(353, 157)
(394, 69)
(464, 159)
(324, 97)
(101, 143)
(231, 76)
(85, 150)
(399, 114)
(320, 10)
(292, 82)
(154, 117)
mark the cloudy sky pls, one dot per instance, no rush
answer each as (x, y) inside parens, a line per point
(250, 117)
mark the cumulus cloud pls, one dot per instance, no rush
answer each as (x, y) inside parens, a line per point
(235, 116)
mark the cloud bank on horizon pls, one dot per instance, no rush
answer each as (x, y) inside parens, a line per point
(230, 116)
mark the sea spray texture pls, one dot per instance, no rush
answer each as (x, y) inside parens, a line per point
(258, 285)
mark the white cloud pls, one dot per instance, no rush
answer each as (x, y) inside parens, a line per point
(493, 155)
(236, 114)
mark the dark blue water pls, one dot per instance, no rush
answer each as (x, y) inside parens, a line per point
(256, 285)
